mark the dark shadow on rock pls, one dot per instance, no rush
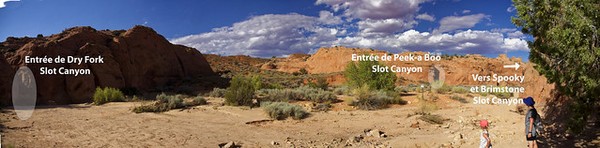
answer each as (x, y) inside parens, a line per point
(557, 114)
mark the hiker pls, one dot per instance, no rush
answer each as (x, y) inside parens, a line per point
(532, 123)
(485, 141)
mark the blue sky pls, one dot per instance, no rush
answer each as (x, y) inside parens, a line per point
(265, 28)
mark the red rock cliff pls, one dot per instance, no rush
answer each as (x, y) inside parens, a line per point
(137, 58)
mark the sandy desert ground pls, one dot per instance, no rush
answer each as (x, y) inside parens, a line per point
(114, 125)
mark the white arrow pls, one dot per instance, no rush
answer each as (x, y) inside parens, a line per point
(516, 66)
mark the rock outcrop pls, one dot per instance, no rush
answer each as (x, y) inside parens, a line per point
(457, 70)
(138, 58)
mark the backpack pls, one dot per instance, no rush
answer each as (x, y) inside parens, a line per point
(537, 121)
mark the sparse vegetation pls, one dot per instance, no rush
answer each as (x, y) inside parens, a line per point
(440, 88)
(433, 119)
(257, 82)
(166, 102)
(107, 94)
(163, 103)
(217, 92)
(240, 92)
(459, 99)
(503, 95)
(426, 106)
(460, 90)
(360, 73)
(321, 83)
(302, 71)
(341, 90)
(283, 110)
(298, 94)
(371, 100)
(198, 100)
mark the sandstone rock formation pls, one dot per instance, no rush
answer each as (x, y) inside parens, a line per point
(138, 58)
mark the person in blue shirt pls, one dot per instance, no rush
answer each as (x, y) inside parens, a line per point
(532, 121)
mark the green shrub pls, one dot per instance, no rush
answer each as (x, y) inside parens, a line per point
(217, 92)
(302, 71)
(360, 73)
(459, 99)
(257, 82)
(460, 90)
(283, 110)
(106, 95)
(396, 100)
(298, 94)
(502, 95)
(240, 92)
(145, 108)
(433, 119)
(371, 100)
(402, 89)
(321, 83)
(444, 89)
(341, 90)
(278, 95)
(198, 100)
(166, 102)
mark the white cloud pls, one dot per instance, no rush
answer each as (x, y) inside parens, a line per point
(426, 17)
(328, 18)
(2, 2)
(264, 36)
(510, 9)
(383, 27)
(466, 11)
(375, 9)
(482, 42)
(451, 23)
(515, 34)
(378, 17)
(379, 24)
(510, 32)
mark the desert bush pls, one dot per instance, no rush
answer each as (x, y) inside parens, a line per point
(298, 94)
(257, 82)
(106, 95)
(444, 89)
(217, 92)
(483, 93)
(283, 110)
(459, 99)
(198, 100)
(302, 71)
(341, 90)
(321, 107)
(166, 102)
(360, 73)
(145, 108)
(433, 119)
(278, 95)
(321, 83)
(240, 92)
(321, 96)
(371, 100)
(503, 95)
(402, 89)
(460, 90)
(426, 106)
(396, 100)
